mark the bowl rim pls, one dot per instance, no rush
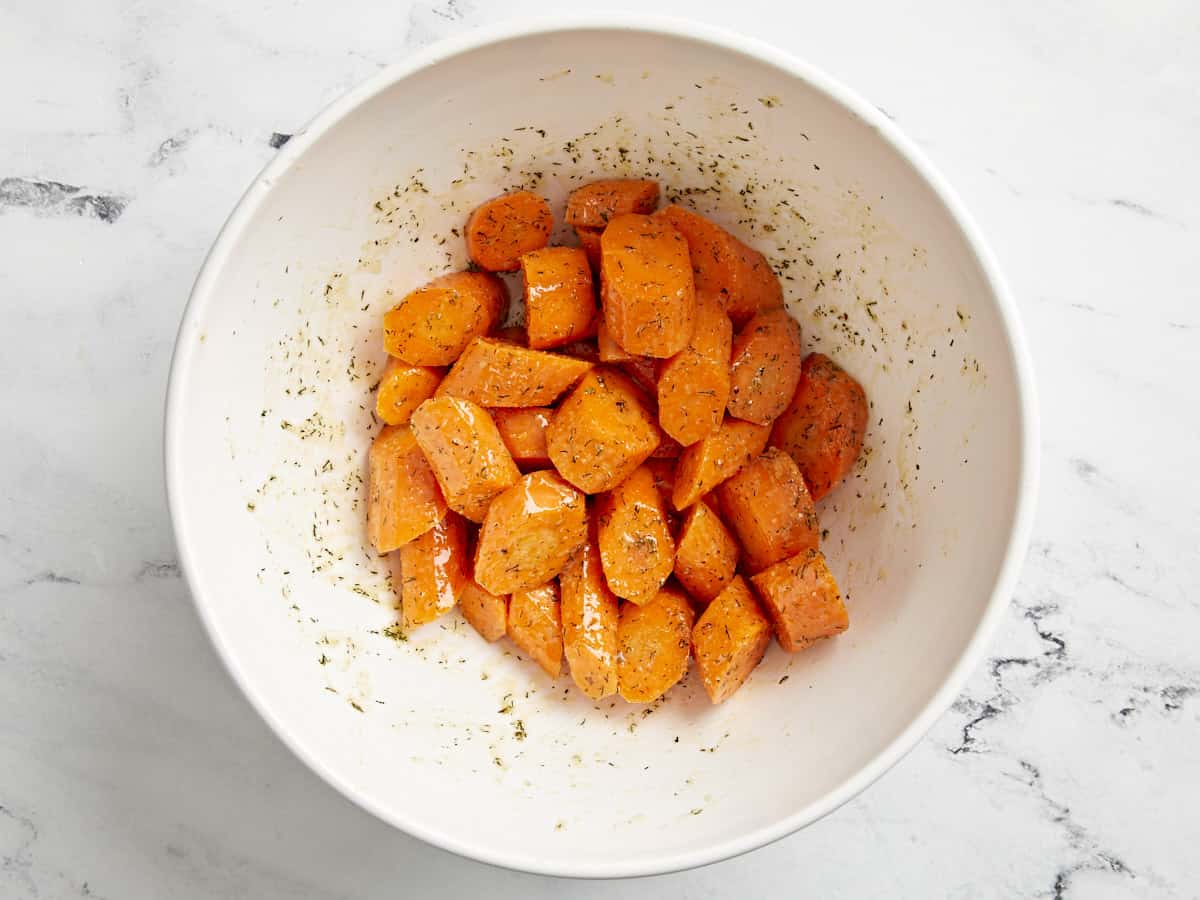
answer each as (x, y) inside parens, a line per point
(788, 65)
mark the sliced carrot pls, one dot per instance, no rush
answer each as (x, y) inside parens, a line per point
(693, 385)
(730, 640)
(560, 302)
(495, 373)
(770, 510)
(707, 554)
(648, 296)
(602, 431)
(500, 231)
(655, 642)
(403, 497)
(594, 204)
(535, 625)
(635, 541)
(432, 325)
(725, 267)
(524, 434)
(530, 533)
(589, 620)
(433, 571)
(823, 427)
(402, 388)
(705, 464)
(765, 368)
(486, 612)
(802, 599)
(466, 452)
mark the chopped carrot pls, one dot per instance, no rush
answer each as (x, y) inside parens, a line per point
(500, 231)
(432, 325)
(712, 459)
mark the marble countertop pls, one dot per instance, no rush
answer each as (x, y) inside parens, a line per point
(130, 766)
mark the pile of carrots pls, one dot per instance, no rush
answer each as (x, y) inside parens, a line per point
(641, 461)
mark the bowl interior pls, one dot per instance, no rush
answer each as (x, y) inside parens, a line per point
(464, 743)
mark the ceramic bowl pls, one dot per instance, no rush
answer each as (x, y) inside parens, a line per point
(465, 744)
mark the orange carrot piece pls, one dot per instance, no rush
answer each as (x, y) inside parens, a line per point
(655, 643)
(823, 427)
(560, 302)
(594, 204)
(466, 452)
(729, 640)
(705, 464)
(765, 368)
(802, 599)
(402, 388)
(636, 547)
(647, 293)
(693, 385)
(770, 510)
(707, 554)
(504, 228)
(486, 612)
(432, 325)
(433, 571)
(589, 621)
(524, 434)
(495, 373)
(535, 625)
(403, 497)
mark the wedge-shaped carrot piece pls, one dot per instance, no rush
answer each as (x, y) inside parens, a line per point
(655, 642)
(403, 497)
(560, 302)
(610, 350)
(524, 434)
(432, 325)
(705, 464)
(636, 547)
(765, 367)
(602, 431)
(529, 534)
(707, 554)
(725, 267)
(802, 600)
(693, 385)
(403, 388)
(589, 621)
(535, 625)
(729, 640)
(770, 510)
(647, 292)
(594, 204)
(496, 373)
(500, 231)
(589, 243)
(433, 571)
(823, 427)
(487, 613)
(466, 452)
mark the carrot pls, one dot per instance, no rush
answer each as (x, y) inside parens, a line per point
(432, 325)
(765, 368)
(725, 267)
(560, 303)
(487, 613)
(594, 204)
(730, 640)
(705, 464)
(589, 621)
(770, 510)
(466, 452)
(707, 554)
(589, 243)
(823, 427)
(433, 571)
(495, 373)
(655, 642)
(647, 293)
(402, 388)
(668, 449)
(505, 227)
(693, 385)
(403, 497)
(602, 431)
(529, 533)
(636, 547)
(802, 600)
(524, 434)
(535, 625)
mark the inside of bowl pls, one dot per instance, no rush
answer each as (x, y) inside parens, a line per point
(465, 743)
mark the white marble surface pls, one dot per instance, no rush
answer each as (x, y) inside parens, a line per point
(130, 767)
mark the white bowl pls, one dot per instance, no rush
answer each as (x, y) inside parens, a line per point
(462, 743)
